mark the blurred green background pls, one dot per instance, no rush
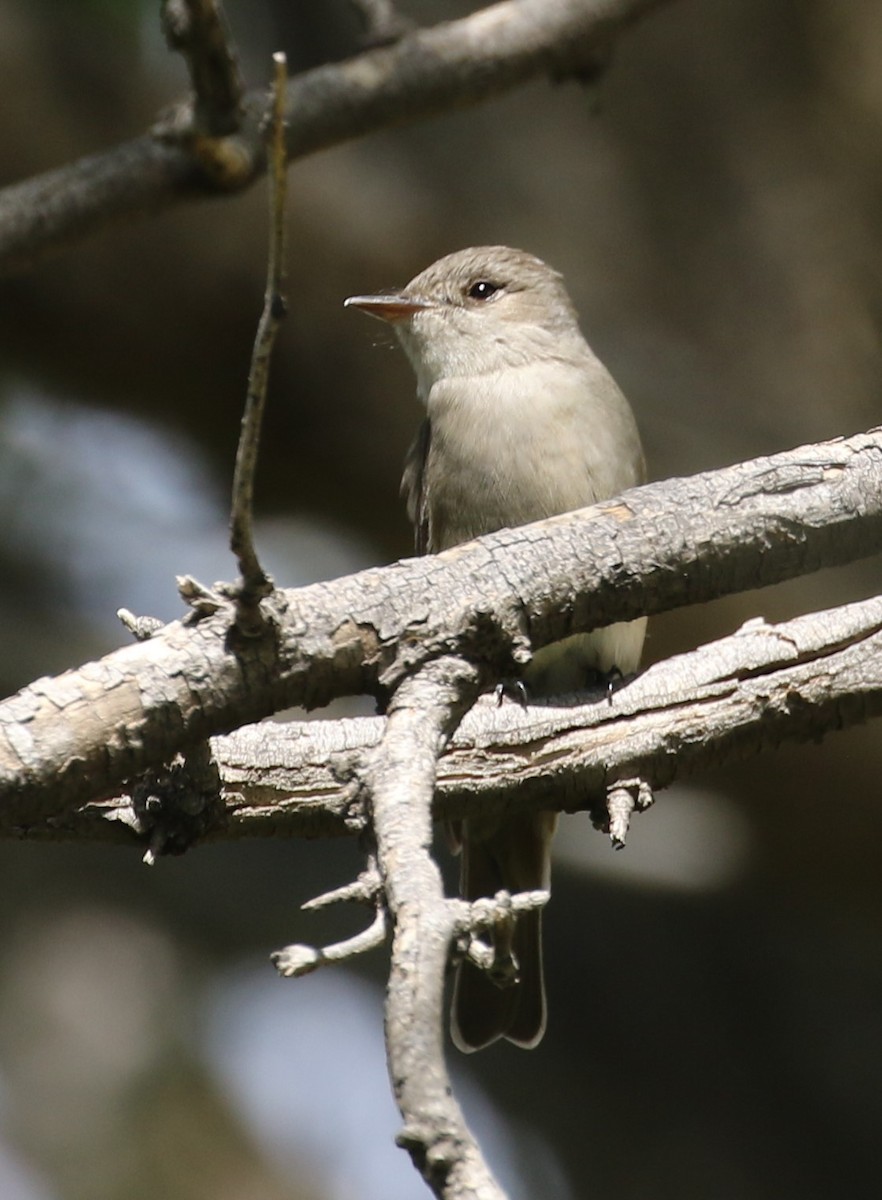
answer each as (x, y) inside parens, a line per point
(716, 990)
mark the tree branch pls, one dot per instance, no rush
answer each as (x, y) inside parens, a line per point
(400, 779)
(382, 22)
(255, 583)
(427, 72)
(81, 735)
(741, 695)
(197, 29)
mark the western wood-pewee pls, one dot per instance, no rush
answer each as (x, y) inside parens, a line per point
(523, 423)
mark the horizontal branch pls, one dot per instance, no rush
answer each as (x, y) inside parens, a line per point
(745, 693)
(764, 685)
(79, 736)
(426, 72)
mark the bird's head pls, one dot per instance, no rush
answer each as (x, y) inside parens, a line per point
(487, 308)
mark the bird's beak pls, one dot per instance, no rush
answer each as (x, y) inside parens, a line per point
(388, 308)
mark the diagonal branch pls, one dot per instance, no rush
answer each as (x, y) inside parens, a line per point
(743, 694)
(80, 736)
(427, 72)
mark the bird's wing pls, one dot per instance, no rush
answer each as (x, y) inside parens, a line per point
(414, 489)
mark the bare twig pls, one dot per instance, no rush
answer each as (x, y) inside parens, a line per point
(141, 628)
(299, 959)
(363, 890)
(198, 30)
(428, 71)
(684, 541)
(400, 778)
(382, 22)
(255, 583)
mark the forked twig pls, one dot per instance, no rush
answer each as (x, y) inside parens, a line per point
(197, 29)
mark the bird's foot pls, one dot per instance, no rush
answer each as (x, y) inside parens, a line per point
(514, 689)
(607, 680)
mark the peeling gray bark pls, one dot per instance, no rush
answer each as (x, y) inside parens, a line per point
(740, 695)
(79, 736)
(431, 634)
(399, 776)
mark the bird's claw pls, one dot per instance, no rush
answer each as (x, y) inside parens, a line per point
(515, 689)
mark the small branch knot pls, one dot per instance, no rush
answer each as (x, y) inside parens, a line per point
(204, 601)
(178, 804)
(622, 799)
(496, 916)
(141, 628)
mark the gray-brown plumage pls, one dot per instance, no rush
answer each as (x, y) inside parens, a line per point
(523, 422)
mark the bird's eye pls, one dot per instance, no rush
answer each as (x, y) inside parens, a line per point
(483, 290)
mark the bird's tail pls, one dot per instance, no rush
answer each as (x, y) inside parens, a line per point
(513, 856)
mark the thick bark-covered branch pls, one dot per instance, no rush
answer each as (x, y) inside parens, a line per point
(427, 72)
(743, 694)
(399, 776)
(763, 685)
(80, 736)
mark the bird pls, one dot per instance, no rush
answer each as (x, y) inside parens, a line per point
(522, 422)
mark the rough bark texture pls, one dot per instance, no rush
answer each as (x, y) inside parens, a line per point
(399, 776)
(81, 735)
(763, 685)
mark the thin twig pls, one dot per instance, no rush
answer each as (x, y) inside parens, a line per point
(381, 21)
(255, 583)
(363, 890)
(300, 959)
(198, 30)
